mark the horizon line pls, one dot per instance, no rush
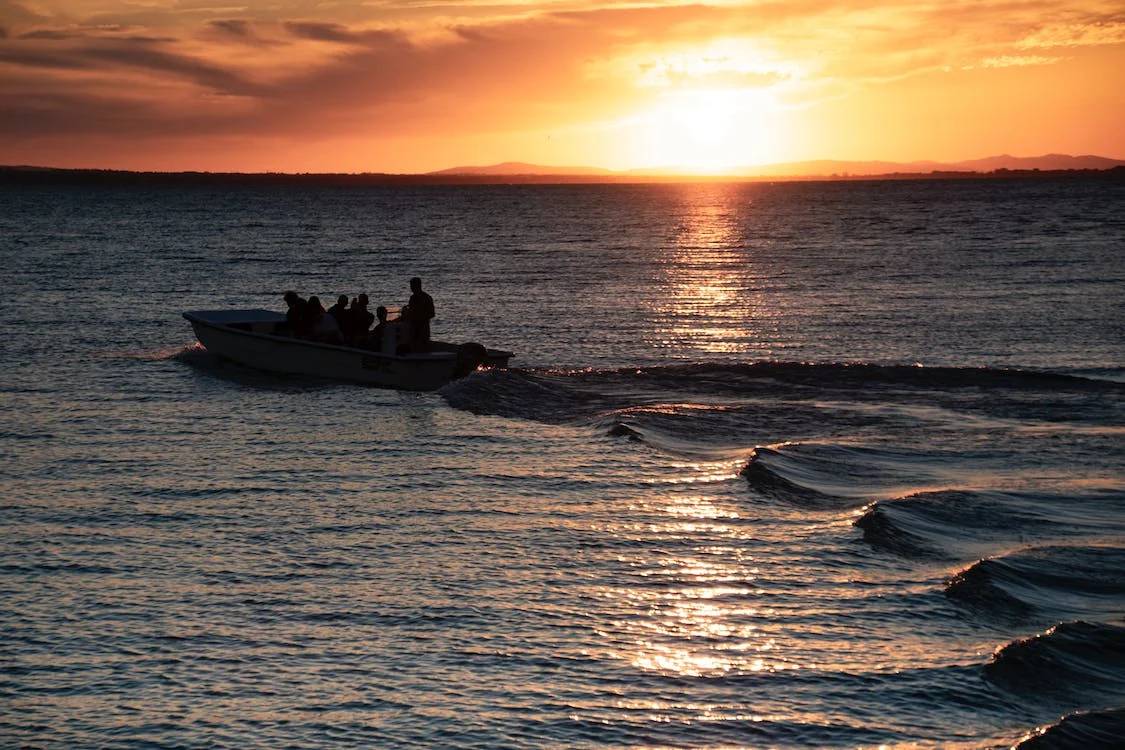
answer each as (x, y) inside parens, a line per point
(802, 169)
(29, 171)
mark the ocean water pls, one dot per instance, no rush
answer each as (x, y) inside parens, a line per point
(790, 465)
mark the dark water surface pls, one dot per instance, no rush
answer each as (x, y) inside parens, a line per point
(798, 465)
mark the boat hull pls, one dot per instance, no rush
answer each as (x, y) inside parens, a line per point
(282, 354)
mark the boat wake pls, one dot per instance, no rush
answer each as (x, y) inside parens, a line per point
(961, 524)
(1085, 730)
(1020, 471)
(186, 353)
(858, 431)
(1045, 584)
(790, 396)
(1081, 663)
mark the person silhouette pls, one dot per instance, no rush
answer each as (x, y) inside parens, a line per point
(294, 316)
(421, 307)
(361, 316)
(375, 338)
(339, 311)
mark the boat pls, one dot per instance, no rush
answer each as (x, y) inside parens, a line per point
(257, 339)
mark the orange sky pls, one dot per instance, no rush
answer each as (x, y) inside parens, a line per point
(416, 85)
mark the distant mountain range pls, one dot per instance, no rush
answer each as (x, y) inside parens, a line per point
(993, 167)
(523, 168)
(816, 168)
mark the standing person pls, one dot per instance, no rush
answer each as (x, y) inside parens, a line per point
(421, 313)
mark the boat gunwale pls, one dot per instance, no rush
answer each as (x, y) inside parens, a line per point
(416, 358)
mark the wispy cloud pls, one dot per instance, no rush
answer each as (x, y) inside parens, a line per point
(1013, 61)
(1076, 35)
(322, 31)
(237, 27)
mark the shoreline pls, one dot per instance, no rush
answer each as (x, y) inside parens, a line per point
(32, 176)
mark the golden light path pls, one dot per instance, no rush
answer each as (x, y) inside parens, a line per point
(724, 583)
(713, 297)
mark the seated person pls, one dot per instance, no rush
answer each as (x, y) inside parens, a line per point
(359, 320)
(374, 340)
(339, 311)
(293, 315)
(307, 317)
(321, 326)
(405, 330)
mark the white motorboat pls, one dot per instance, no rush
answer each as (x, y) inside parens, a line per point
(255, 338)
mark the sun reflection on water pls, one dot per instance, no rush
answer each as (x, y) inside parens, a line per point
(713, 290)
(699, 612)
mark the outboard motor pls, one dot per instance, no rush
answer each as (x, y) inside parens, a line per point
(470, 356)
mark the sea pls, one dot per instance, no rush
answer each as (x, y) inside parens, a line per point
(776, 465)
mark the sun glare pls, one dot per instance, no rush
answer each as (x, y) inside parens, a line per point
(707, 131)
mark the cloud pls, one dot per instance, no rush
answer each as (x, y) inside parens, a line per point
(146, 58)
(35, 58)
(138, 54)
(323, 32)
(35, 115)
(15, 14)
(1076, 35)
(242, 32)
(238, 27)
(53, 34)
(1013, 61)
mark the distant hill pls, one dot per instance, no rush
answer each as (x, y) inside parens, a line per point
(521, 168)
(823, 167)
(816, 168)
(1047, 161)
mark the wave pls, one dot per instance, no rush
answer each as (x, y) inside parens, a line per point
(1081, 661)
(842, 475)
(687, 410)
(711, 430)
(1114, 374)
(485, 391)
(837, 435)
(734, 406)
(772, 483)
(1053, 582)
(526, 394)
(1087, 730)
(187, 353)
(958, 524)
(725, 377)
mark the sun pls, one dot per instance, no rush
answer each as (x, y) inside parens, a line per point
(706, 131)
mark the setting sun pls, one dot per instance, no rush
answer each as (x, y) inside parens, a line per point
(707, 131)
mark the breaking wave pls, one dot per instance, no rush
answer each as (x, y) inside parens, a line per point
(518, 392)
(1087, 730)
(733, 407)
(842, 474)
(1052, 582)
(959, 524)
(1074, 661)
